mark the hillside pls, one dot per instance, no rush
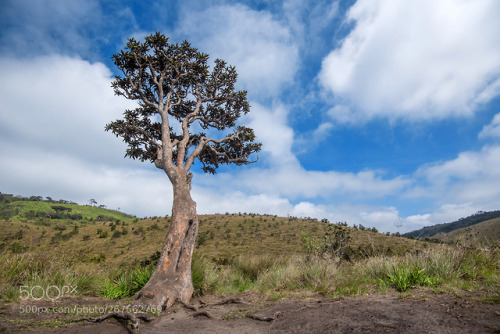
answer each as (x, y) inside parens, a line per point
(486, 233)
(34, 224)
(220, 237)
(36, 208)
(235, 254)
(431, 231)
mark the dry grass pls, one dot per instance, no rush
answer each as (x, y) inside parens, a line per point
(46, 253)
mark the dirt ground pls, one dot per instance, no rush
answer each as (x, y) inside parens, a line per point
(421, 311)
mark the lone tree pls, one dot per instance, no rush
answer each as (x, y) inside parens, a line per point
(179, 98)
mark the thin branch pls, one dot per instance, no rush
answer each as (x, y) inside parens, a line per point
(181, 153)
(203, 142)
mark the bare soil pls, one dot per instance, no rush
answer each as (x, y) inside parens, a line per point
(421, 311)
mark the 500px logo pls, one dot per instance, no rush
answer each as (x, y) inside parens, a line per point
(52, 292)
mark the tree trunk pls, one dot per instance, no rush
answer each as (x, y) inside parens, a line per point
(171, 280)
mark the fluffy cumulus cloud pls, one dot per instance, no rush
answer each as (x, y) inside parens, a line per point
(417, 60)
(261, 48)
(458, 187)
(471, 177)
(59, 103)
(299, 183)
(47, 173)
(384, 220)
(49, 26)
(52, 138)
(491, 130)
(273, 131)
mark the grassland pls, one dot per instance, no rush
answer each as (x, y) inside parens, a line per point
(234, 253)
(486, 234)
(30, 210)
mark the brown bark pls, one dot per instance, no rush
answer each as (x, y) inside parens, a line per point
(171, 280)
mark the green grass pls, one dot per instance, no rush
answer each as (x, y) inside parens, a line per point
(268, 274)
(123, 285)
(27, 210)
(42, 276)
(448, 267)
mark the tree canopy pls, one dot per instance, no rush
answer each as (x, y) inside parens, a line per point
(180, 101)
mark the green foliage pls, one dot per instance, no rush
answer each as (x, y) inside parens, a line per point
(102, 234)
(202, 238)
(403, 278)
(43, 270)
(17, 248)
(333, 242)
(35, 207)
(115, 235)
(156, 72)
(125, 284)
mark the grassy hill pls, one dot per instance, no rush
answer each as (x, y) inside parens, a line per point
(233, 253)
(32, 208)
(126, 242)
(485, 233)
(431, 231)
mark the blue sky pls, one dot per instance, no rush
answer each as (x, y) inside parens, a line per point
(378, 113)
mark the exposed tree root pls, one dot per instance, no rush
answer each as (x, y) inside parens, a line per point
(204, 314)
(256, 317)
(189, 306)
(227, 301)
(134, 318)
(224, 302)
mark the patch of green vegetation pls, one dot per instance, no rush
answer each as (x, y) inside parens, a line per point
(404, 278)
(125, 284)
(37, 208)
(493, 299)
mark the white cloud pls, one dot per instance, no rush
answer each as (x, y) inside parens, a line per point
(261, 48)
(467, 166)
(417, 60)
(33, 170)
(418, 221)
(209, 200)
(296, 183)
(60, 104)
(308, 209)
(50, 26)
(272, 130)
(491, 130)
(308, 19)
(383, 220)
(52, 116)
(471, 182)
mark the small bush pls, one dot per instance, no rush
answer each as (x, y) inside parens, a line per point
(125, 284)
(403, 278)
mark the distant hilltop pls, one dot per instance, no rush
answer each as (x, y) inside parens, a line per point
(439, 229)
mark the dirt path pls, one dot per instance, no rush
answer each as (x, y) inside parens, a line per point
(422, 312)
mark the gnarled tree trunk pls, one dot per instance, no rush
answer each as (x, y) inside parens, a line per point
(171, 280)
